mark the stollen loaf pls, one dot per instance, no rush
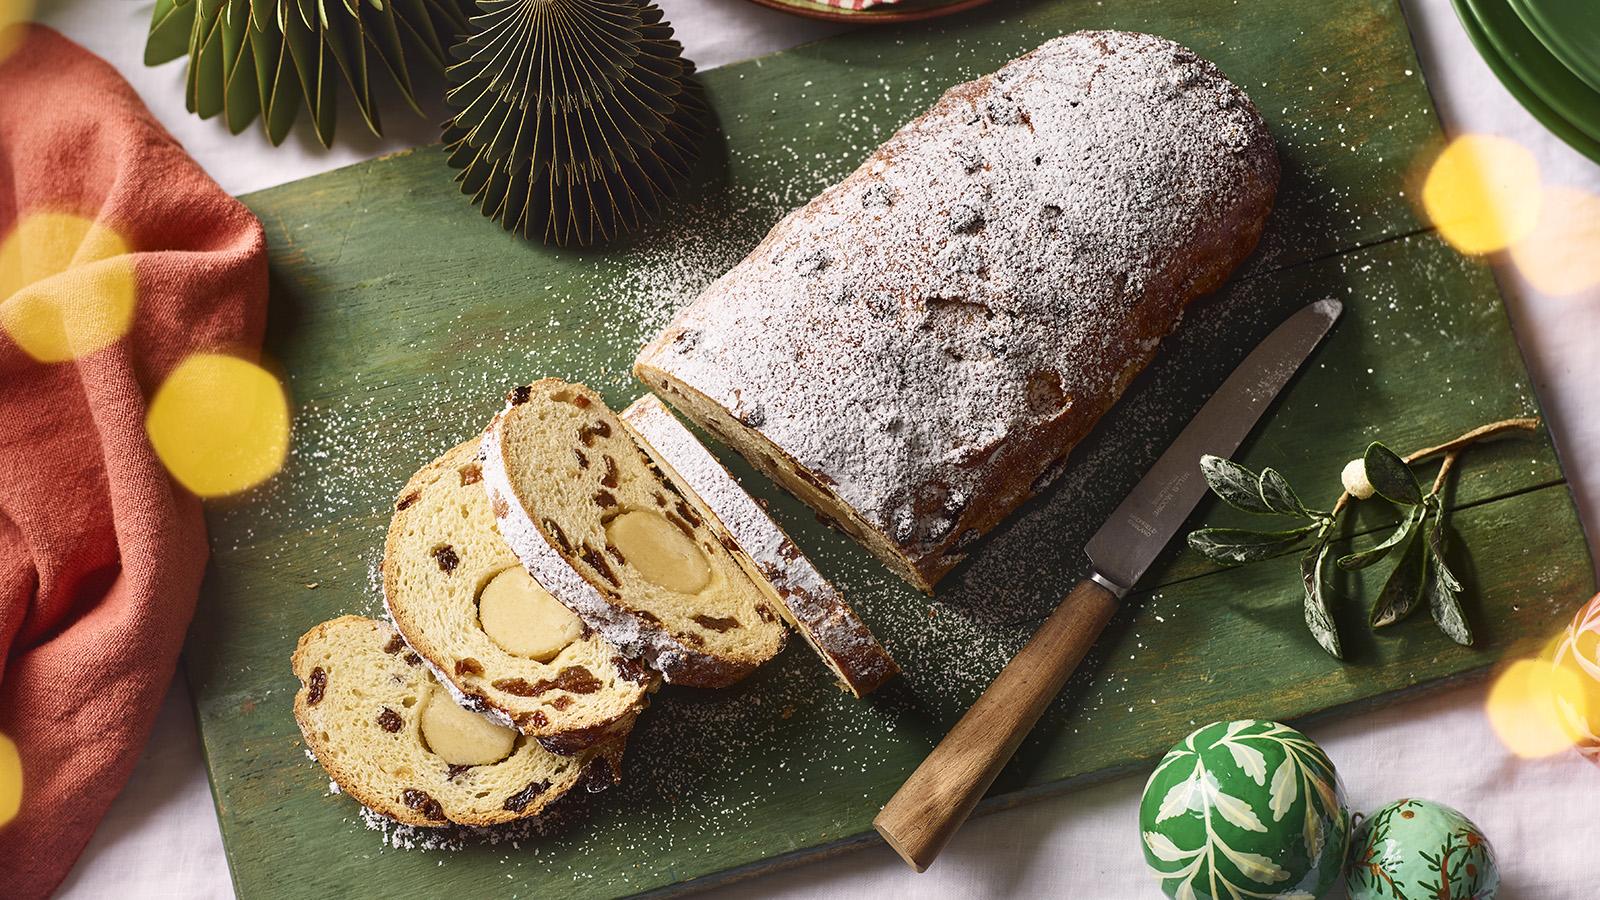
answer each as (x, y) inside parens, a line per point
(915, 352)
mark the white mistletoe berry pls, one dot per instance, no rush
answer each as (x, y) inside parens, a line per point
(1355, 480)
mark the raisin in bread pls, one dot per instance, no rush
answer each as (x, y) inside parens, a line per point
(813, 606)
(392, 737)
(619, 542)
(915, 352)
(462, 599)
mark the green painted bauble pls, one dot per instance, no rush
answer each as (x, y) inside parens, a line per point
(1421, 850)
(1245, 809)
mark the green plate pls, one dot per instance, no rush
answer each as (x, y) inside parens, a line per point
(1561, 90)
(1570, 29)
(1533, 101)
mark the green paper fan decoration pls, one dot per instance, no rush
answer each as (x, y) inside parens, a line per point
(268, 58)
(572, 120)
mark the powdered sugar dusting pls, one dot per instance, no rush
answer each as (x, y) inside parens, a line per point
(997, 268)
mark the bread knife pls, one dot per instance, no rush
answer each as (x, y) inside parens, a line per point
(924, 814)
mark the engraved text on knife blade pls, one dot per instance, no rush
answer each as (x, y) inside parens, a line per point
(1152, 512)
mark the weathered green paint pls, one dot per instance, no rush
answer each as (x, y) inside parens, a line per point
(399, 316)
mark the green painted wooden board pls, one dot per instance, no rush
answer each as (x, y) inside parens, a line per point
(399, 317)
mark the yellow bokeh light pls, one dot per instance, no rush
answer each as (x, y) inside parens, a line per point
(66, 286)
(220, 424)
(13, 14)
(1524, 704)
(1482, 193)
(1561, 255)
(10, 780)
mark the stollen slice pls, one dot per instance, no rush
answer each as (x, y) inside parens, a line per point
(491, 633)
(621, 543)
(811, 604)
(392, 737)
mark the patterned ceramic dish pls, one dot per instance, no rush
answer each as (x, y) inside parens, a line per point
(902, 11)
(1578, 651)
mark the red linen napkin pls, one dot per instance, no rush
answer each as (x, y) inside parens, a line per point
(101, 553)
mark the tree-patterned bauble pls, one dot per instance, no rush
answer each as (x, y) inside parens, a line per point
(1421, 850)
(572, 120)
(1245, 809)
(268, 58)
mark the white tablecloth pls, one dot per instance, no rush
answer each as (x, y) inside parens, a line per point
(161, 840)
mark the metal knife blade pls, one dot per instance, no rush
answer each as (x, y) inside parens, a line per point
(1152, 513)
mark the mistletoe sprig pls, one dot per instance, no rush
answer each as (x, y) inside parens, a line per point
(1421, 574)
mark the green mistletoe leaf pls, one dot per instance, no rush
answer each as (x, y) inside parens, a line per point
(1235, 484)
(1236, 546)
(1371, 555)
(1319, 618)
(1444, 590)
(1390, 476)
(1279, 496)
(1403, 590)
(1421, 572)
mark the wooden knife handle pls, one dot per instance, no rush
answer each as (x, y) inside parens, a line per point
(924, 814)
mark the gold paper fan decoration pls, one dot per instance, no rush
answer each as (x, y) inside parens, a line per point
(268, 58)
(573, 120)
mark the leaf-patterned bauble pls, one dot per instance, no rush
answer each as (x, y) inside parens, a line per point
(1245, 809)
(1421, 850)
(572, 120)
(1578, 652)
(268, 58)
